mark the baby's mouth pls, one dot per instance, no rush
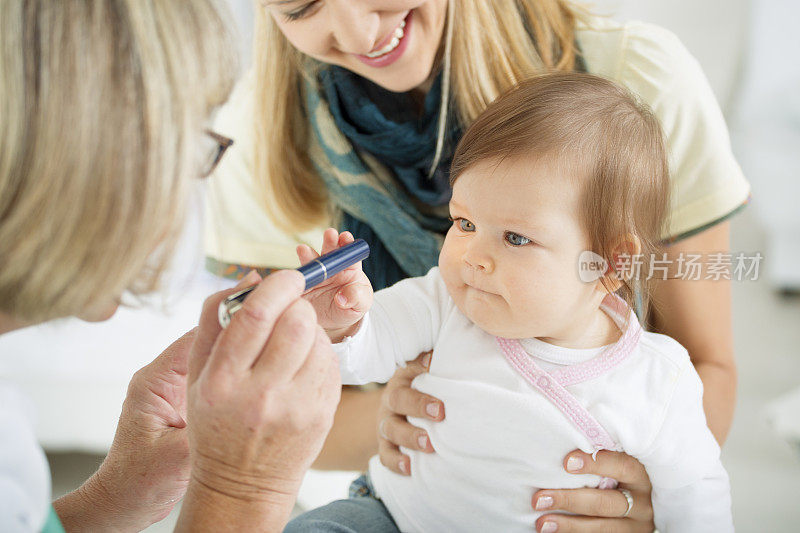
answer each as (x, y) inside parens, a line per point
(473, 287)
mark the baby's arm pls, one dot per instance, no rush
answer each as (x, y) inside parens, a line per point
(404, 320)
(704, 505)
(691, 490)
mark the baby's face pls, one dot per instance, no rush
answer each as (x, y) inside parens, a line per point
(510, 259)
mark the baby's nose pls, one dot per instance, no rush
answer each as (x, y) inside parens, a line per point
(482, 262)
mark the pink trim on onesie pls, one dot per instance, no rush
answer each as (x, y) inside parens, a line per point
(618, 310)
(553, 385)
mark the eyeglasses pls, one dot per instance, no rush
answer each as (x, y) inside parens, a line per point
(215, 152)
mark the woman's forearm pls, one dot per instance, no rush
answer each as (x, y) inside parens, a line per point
(697, 313)
(352, 440)
(719, 397)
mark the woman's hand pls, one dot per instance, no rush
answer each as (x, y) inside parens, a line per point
(342, 300)
(598, 509)
(399, 400)
(261, 399)
(147, 469)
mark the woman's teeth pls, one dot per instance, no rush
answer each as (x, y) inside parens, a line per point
(396, 36)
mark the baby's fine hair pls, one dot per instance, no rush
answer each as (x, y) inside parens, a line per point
(601, 134)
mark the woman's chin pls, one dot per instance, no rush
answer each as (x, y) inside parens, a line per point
(401, 81)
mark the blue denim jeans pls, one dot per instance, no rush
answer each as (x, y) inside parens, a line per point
(362, 512)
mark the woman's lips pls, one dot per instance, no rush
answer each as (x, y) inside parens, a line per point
(389, 43)
(394, 54)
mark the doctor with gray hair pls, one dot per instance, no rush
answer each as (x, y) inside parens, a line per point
(104, 107)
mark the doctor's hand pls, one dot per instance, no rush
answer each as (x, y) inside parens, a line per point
(342, 300)
(262, 394)
(146, 470)
(598, 509)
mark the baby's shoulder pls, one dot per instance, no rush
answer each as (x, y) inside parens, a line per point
(424, 298)
(662, 350)
(430, 287)
(642, 389)
(659, 361)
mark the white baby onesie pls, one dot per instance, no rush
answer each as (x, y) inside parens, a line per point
(514, 409)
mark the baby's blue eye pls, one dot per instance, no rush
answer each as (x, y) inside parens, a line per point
(515, 239)
(466, 225)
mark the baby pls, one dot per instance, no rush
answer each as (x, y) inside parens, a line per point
(531, 359)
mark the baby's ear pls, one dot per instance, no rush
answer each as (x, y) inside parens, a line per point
(623, 257)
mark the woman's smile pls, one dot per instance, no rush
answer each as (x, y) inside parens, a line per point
(390, 48)
(393, 43)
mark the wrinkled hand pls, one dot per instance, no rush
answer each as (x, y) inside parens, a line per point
(147, 469)
(262, 394)
(399, 400)
(598, 509)
(342, 300)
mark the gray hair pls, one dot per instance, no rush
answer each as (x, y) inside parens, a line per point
(102, 105)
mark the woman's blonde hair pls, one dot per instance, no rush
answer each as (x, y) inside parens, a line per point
(601, 134)
(491, 51)
(102, 105)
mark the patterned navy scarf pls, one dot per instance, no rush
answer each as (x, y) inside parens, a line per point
(400, 132)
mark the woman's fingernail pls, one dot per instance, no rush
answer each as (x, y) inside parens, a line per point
(432, 409)
(402, 466)
(426, 360)
(341, 299)
(573, 465)
(423, 442)
(544, 502)
(549, 527)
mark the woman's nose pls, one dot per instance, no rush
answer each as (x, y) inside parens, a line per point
(354, 25)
